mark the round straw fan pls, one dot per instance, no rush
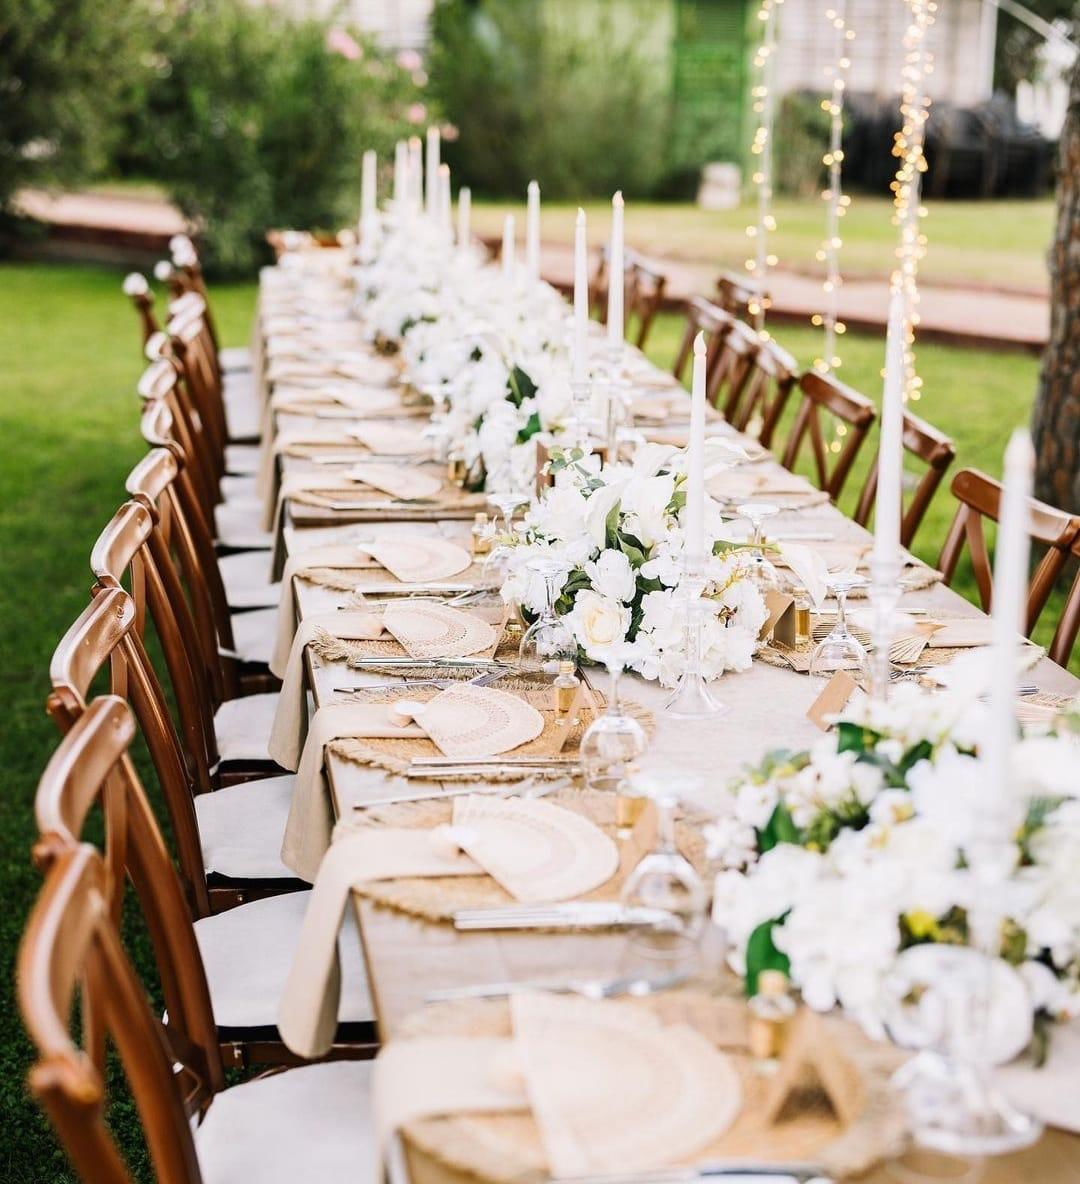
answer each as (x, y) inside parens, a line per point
(414, 559)
(614, 1089)
(384, 437)
(467, 721)
(395, 480)
(536, 850)
(431, 630)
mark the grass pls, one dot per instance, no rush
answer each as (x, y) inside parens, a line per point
(68, 414)
(1002, 242)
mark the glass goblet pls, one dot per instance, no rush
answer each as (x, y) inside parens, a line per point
(547, 642)
(614, 740)
(840, 650)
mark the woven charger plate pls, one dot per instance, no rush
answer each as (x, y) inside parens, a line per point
(372, 575)
(506, 1148)
(438, 898)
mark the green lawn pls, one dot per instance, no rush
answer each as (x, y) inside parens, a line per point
(68, 413)
(1000, 242)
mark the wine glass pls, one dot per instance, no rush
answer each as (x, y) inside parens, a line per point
(547, 642)
(614, 740)
(840, 650)
(506, 501)
(762, 572)
(664, 880)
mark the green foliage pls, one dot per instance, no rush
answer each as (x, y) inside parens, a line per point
(802, 138)
(252, 122)
(538, 96)
(779, 829)
(762, 954)
(60, 89)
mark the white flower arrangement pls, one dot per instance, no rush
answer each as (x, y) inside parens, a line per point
(619, 534)
(836, 859)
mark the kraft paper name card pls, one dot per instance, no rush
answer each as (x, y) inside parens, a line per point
(781, 619)
(838, 690)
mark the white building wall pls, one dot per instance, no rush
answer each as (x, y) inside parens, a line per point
(956, 39)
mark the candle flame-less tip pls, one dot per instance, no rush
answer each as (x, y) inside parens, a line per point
(534, 187)
(1020, 453)
(617, 200)
(699, 345)
(580, 217)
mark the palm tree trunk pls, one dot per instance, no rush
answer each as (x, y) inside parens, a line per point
(1056, 422)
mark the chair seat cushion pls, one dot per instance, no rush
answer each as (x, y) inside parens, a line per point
(243, 407)
(243, 459)
(246, 576)
(239, 489)
(240, 525)
(254, 634)
(234, 357)
(242, 727)
(312, 1125)
(247, 953)
(241, 828)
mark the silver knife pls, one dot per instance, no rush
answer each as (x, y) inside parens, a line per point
(592, 914)
(629, 984)
(434, 663)
(733, 1171)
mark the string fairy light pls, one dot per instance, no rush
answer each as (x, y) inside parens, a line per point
(761, 147)
(837, 202)
(909, 148)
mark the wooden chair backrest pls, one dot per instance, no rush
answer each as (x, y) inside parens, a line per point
(980, 499)
(192, 347)
(728, 378)
(701, 317)
(130, 546)
(1069, 623)
(823, 395)
(185, 259)
(104, 635)
(645, 288)
(738, 295)
(936, 451)
(766, 389)
(141, 295)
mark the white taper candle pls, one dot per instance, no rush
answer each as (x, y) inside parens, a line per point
(532, 234)
(887, 510)
(695, 461)
(616, 268)
(581, 300)
(508, 249)
(1009, 610)
(464, 212)
(431, 192)
(401, 168)
(445, 220)
(416, 172)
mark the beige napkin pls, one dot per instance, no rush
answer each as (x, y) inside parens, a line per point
(613, 1089)
(266, 478)
(366, 402)
(334, 481)
(809, 568)
(1048, 1092)
(396, 480)
(390, 439)
(740, 483)
(341, 555)
(962, 633)
(307, 1014)
(309, 825)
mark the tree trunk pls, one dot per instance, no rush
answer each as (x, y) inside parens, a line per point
(1056, 422)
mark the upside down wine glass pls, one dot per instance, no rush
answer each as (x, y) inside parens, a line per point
(547, 642)
(614, 740)
(763, 574)
(691, 698)
(506, 501)
(840, 650)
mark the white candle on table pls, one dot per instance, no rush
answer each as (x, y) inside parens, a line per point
(695, 461)
(532, 234)
(401, 167)
(616, 268)
(1009, 610)
(367, 193)
(445, 222)
(581, 301)
(508, 249)
(416, 172)
(432, 191)
(887, 510)
(464, 210)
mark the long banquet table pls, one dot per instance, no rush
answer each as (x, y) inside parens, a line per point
(407, 958)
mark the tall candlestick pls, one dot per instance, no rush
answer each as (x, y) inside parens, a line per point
(1009, 611)
(532, 234)
(695, 461)
(431, 192)
(508, 249)
(887, 511)
(401, 168)
(616, 275)
(464, 210)
(445, 222)
(416, 172)
(581, 301)
(367, 195)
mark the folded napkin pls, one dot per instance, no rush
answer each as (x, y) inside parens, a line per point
(538, 851)
(390, 439)
(324, 481)
(307, 1013)
(339, 402)
(396, 480)
(742, 483)
(416, 559)
(963, 633)
(266, 478)
(809, 568)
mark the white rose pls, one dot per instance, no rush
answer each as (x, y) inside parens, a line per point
(561, 514)
(612, 576)
(598, 623)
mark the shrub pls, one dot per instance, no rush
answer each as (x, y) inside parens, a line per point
(802, 138)
(256, 120)
(572, 94)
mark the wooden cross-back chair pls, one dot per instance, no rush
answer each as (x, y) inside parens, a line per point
(933, 449)
(702, 316)
(766, 388)
(188, 269)
(980, 499)
(731, 372)
(644, 285)
(190, 345)
(1069, 623)
(174, 1066)
(825, 396)
(138, 290)
(738, 295)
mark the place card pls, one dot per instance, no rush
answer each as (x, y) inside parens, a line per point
(781, 619)
(838, 690)
(809, 1052)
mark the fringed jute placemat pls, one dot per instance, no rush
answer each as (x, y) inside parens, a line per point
(438, 899)
(507, 1148)
(372, 575)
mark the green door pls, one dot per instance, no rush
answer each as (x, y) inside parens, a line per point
(711, 60)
